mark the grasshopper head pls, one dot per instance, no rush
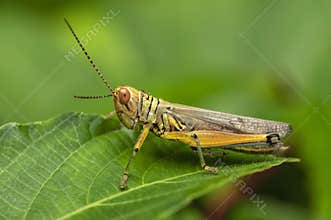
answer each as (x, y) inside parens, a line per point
(126, 104)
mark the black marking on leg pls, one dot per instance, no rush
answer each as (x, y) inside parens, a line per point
(271, 137)
(180, 126)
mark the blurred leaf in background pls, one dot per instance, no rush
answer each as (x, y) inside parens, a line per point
(263, 58)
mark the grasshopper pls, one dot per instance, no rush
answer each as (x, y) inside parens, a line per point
(196, 127)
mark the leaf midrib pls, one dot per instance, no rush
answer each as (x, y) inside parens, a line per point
(96, 203)
(91, 205)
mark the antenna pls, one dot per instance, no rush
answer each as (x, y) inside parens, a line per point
(91, 62)
(92, 97)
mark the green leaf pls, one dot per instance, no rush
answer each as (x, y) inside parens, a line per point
(71, 166)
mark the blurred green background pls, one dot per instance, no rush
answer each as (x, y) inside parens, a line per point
(263, 58)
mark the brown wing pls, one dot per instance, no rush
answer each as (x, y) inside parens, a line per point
(202, 119)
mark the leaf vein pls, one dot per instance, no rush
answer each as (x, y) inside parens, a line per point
(38, 139)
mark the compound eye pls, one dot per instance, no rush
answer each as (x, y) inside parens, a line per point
(124, 96)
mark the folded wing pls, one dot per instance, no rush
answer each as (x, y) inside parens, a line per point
(202, 119)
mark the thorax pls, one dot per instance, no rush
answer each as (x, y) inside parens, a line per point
(148, 107)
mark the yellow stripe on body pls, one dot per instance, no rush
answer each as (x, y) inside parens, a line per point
(215, 138)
